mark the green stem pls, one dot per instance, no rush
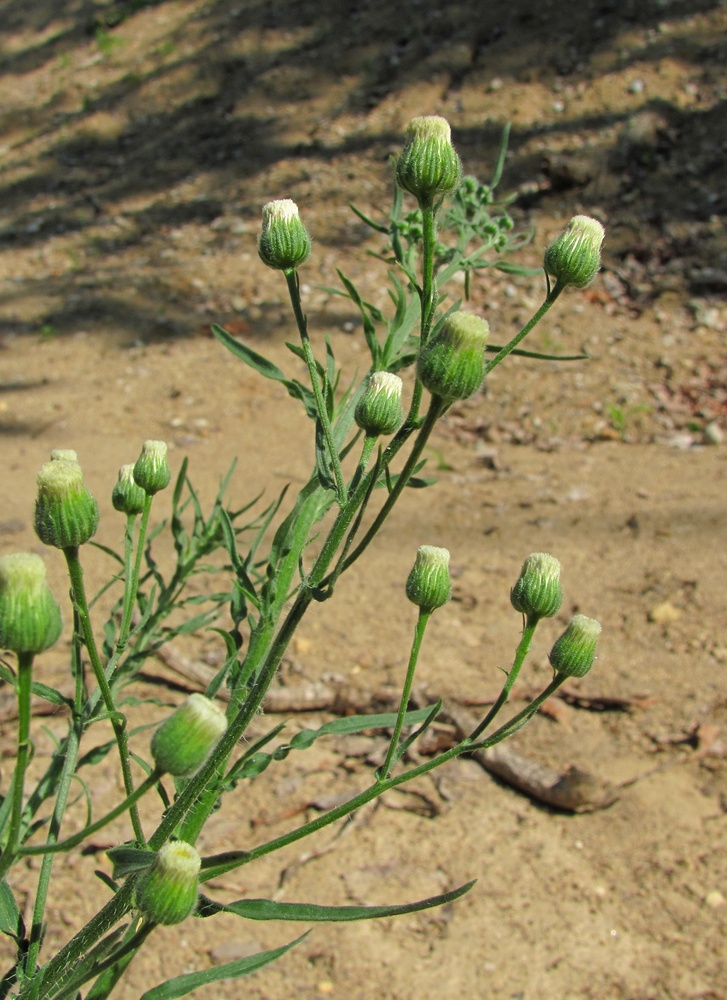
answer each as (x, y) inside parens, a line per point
(69, 768)
(533, 321)
(419, 630)
(429, 285)
(436, 408)
(125, 953)
(77, 838)
(131, 583)
(75, 572)
(61, 966)
(519, 720)
(25, 686)
(291, 276)
(531, 623)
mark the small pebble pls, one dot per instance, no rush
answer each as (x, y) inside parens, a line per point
(713, 434)
(664, 614)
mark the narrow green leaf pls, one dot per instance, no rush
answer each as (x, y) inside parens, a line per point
(323, 462)
(494, 349)
(267, 909)
(7, 674)
(182, 986)
(50, 694)
(109, 552)
(11, 919)
(127, 860)
(255, 764)
(252, 358)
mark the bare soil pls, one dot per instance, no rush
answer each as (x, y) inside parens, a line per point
(139, 141)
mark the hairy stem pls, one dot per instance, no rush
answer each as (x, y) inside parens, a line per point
(75, 572)
(25, 685)
(291, 276)
(421, 625)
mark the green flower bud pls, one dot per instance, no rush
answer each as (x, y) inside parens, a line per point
(183, 742)
(429, 585)
(152, 472)
(428, 165)
(379, 410)
(30, 619)
(538, 593)
(452, 365)
(284, 242)
(66, 515)
(63, 454)
(167, 891)
(574, 652)
(127, 496)
(575, 256)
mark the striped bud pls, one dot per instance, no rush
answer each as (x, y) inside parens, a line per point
(537, 592)
(429, 585)
(66, 515)
(574, 652)
(167, 891)
(30, 619)
(183, 742)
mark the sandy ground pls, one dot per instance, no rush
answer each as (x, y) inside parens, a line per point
(139, 142)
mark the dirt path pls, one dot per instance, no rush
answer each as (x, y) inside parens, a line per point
(138, 144)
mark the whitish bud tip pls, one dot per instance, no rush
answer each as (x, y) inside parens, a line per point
(386, 383)
(284, 209)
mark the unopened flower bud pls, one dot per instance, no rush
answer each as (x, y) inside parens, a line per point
(575, 256)
(538, 593)
(428, 165)
(183, 742)
(30, 619)
(66, 514)
(63, 454)
(127, 496)
(379, 411)
(284, 242)
(167, 891)
(152, 472)
(429, 585)
(451, 365)
(574, 652)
